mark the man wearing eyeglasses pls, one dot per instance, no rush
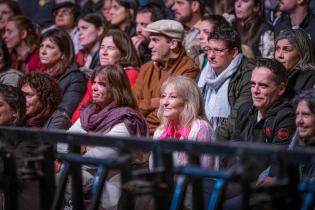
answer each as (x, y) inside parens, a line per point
(225, 81)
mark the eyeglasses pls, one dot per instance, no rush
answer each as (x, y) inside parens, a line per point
(63, 11)
(215, 51)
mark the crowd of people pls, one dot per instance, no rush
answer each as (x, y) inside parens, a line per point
(205, 71)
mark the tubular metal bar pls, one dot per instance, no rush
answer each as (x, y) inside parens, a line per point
(47, 182)
(9, 180)
(196, 184)
(305, 155)
(179, 192)
(58, 198)
(108, 162)
(76, 181)
(200, 172)
(127, 198)
(97, 188)
(216, 200)
(163, 200)
(308, 200)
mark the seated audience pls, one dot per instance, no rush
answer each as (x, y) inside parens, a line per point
(296, 14)
(13, 106)
(270, 116)
(145, 15)
(168, 58)
(43, 96)
(57, 57)
(107, 5)
(268, 120)
(12, 113)
(305, 121)
(294, 51)
(8, 76)
(182, 116)
(91, 6)
(113, 111)
(206, 27)
(66, 13)
(91, 30)
(21, 37)
(254, 31)
(189, 13)
(123, 14)
(8, 9)
(116, 48)
(225, 82)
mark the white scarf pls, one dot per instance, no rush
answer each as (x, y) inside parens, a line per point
(215, 91)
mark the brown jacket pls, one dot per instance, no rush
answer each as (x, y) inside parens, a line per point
(151, 78)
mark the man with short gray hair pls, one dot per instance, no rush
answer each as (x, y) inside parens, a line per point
(168, 58)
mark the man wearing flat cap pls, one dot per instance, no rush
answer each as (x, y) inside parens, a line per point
(168, 58)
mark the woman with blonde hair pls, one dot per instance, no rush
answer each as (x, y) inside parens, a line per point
(182, 116)
(294, 51)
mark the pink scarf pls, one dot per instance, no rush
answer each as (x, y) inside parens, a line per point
(171, 132)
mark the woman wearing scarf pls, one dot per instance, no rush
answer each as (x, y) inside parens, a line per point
(215, 91)
(43, 96)
(57, 57)
(116, 48)
(112, 111)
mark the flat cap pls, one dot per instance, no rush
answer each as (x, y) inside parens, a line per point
(170, 28)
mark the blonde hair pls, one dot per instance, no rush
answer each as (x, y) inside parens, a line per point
(188, 90)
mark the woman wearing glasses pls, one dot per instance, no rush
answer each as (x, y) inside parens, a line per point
(225, 82)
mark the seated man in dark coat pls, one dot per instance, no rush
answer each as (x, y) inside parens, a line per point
(270, 119)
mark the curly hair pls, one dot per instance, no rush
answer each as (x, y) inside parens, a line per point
(16, 100)
(47, 89)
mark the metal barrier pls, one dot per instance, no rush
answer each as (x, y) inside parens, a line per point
(159, 182)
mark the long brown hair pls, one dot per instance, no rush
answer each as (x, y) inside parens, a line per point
(62, 39)
(248, 29)
(117, 80)
(129, 55)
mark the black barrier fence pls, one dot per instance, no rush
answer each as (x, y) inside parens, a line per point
(159, 182)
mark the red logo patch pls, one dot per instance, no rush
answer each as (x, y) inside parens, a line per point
(283, 133)
(268, 131)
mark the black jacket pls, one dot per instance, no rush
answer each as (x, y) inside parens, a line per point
(299, 80)
(73, 84)
(277, 127)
